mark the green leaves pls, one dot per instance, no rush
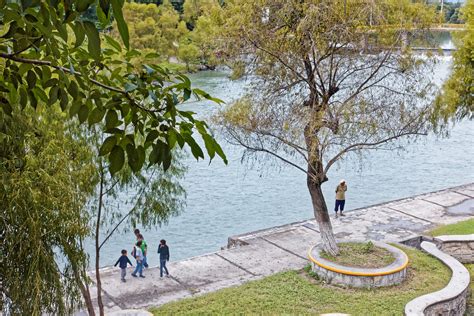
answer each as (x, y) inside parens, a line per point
(5, 106)
(121, 24)
(83, 5)
(31, 79)
(107, 145)
(111, 119)
(96, 116)
(136, 107)
(79, 33)
(93, 43)
(116, 159)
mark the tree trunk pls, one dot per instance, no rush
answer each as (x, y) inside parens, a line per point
(97, 247)
(87, 299)
(86, 295)
(322, 217)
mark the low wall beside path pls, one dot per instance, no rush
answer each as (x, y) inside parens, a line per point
(460, 247)
(450, 300)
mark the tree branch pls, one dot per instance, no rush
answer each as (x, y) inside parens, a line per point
(261, 149)
(75, 73)
(361, 145)
(129, 213)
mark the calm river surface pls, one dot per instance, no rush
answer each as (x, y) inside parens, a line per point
(227, 200)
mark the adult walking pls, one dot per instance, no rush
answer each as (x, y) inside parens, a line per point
(139, 257)
(340, 197)
(144, 246)
(164, 252)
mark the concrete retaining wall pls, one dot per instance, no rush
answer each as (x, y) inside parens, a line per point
(460, 247)
(451, 300)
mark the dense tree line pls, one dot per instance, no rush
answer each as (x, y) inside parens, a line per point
(452, 12)
(183, 30)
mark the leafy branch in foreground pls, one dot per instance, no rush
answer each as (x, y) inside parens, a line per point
(139, 108)
(50, 57)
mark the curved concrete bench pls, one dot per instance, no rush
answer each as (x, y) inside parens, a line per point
(460, 247)
(451, 300)
(332, 272)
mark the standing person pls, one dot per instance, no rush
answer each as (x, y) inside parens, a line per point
(164, 252)
(144, 248)
(340, 197)
(139, 258)
(122, 261)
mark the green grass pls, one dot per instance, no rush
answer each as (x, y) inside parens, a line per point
(470, 303)
(295, 292)
(461, 228)
(361, 255)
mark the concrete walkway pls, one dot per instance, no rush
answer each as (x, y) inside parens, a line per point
(258, 254)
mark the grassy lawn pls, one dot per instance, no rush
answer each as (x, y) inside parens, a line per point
(461, 228)
(361, 255)
(295, 292)
(470, 304)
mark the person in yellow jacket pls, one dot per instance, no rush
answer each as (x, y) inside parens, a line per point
(340, 197)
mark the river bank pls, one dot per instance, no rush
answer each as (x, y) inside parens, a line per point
(254, 255)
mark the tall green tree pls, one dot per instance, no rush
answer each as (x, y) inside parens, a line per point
(153, 196)
(156, 27)
(193, 9)
(208, 22)
(47, 178)
(330, 78)
(457, 99)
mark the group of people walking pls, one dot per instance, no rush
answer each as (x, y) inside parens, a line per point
(139, 252)
(140, 249)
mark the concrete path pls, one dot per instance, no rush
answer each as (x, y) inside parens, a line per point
(258, 254)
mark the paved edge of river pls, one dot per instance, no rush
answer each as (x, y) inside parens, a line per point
(254, 255)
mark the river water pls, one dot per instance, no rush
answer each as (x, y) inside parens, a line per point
(227, 200)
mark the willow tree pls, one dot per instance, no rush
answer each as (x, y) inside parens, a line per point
(47, 178)
(330, 78)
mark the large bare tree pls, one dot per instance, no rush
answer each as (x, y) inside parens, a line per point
(329, 78)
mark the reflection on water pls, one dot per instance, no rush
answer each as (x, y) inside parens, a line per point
(228, 200)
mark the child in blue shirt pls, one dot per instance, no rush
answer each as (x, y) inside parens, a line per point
(122, 262)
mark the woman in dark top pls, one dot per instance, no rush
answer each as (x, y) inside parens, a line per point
(164, 252)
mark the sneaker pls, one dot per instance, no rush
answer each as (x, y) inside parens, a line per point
(142, 276)
(336, 215)
(342, 214)
(134, 275)
(123, 280)
(168, 275)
